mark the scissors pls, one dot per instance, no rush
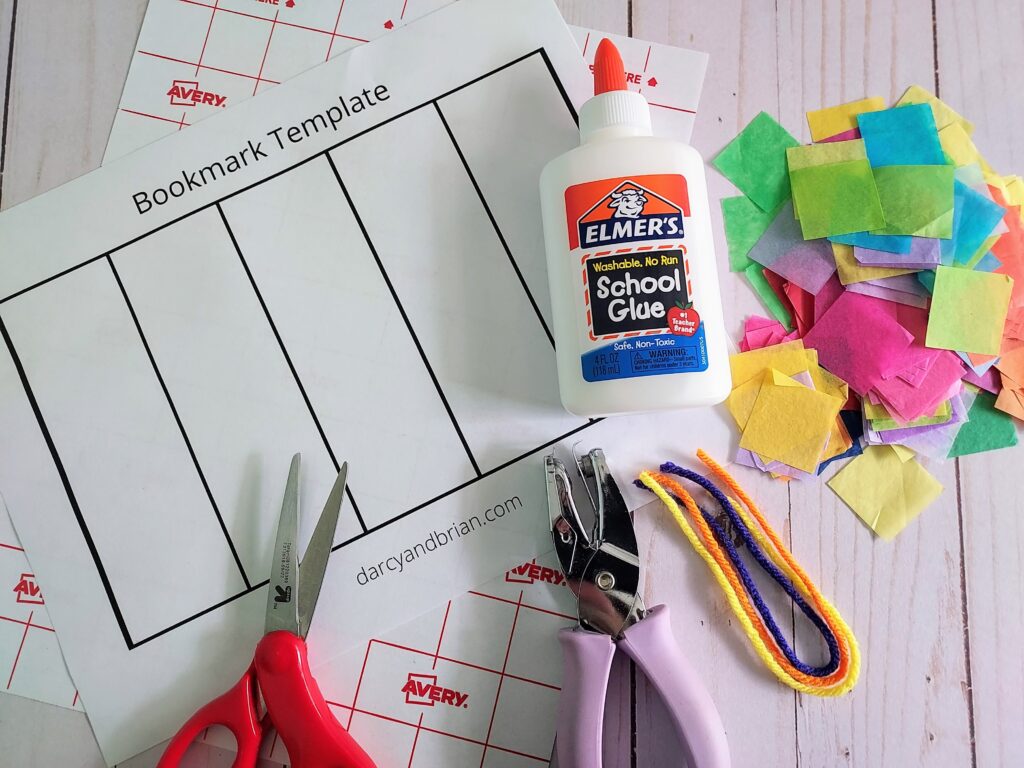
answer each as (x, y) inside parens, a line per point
(279, 672)
(603, 569)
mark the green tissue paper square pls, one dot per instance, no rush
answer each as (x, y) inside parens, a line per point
(968, 310)
(837, 199)
(916, 199)
(755, 161)
(744, 225)
(834, 189)
(987, 429)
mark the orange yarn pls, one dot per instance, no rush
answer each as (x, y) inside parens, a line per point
(729, 571)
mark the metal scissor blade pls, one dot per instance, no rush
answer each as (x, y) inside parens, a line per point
(282, 597)
(314, 562)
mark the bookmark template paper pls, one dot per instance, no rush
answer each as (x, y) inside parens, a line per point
(350, 266)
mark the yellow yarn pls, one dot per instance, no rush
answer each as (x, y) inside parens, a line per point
(770, 543)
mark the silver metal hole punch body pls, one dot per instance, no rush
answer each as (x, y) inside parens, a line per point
(603, 569)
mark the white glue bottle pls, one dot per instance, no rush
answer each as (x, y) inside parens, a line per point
(631, 262)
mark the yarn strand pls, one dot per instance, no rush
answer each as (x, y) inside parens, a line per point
(711, 541)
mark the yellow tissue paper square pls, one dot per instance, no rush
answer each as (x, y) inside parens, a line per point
(993, 179)
(839, 119)
(789, 358)
(851, 271)
(961, 150)
(839, 440)
(886, 487)
(741, 400)
(1014, 190)
(790, 422)
(830, 384)
(902, 452)
(944, 114)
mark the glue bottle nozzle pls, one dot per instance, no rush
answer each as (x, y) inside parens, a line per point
(609, 72)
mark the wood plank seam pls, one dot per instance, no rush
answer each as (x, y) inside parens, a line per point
(792, 605)
(7, 99)
(965, 616)
(964, 611)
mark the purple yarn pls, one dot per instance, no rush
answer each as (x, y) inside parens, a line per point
(722, 537)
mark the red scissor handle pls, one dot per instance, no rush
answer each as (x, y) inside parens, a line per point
(235, 710)
(312, 736)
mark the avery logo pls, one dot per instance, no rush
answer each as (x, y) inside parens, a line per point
(186, 93)
(529, 573)
(284, 595)
(424, 691)
(625, 210)
(28, 591)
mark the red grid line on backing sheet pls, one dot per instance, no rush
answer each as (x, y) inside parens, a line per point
(439, 732)
(207, 66)
(180, 123)
(647, 60)
(504, 666)
(11, 546)
(565, 616)
(436, 655)
(24, 634)
(440, 637)
(333, 33)
(29, 624)
(270, 37)
(415, 739)
(674, 109)
(337, 20)
(206, 39)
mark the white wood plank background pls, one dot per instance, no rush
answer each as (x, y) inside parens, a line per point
(938, 612)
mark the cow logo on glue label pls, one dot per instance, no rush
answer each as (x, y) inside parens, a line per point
(626, 211)
(628, 204)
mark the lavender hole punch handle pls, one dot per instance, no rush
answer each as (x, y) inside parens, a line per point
(587, 658)
(652, 645)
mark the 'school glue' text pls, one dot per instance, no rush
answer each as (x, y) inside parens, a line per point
(631, 262)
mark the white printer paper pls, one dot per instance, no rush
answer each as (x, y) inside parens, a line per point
(193, 59)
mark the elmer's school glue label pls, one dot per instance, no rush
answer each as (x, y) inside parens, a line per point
(631, 262)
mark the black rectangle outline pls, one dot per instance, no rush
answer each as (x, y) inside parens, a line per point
(405, 316)
(129, 641)
(494, 225)
(178, 422)
(288, 360)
